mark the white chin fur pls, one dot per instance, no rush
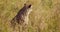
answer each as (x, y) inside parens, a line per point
(27, 17)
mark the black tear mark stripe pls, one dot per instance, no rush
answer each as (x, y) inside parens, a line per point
(22, 12)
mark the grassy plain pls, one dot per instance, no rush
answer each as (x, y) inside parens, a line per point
(45, 16)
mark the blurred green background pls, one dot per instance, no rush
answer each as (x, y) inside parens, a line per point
(45, 16)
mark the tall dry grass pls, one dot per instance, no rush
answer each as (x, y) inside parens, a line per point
(45, 16)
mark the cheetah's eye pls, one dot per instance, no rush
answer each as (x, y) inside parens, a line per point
(29, 6)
